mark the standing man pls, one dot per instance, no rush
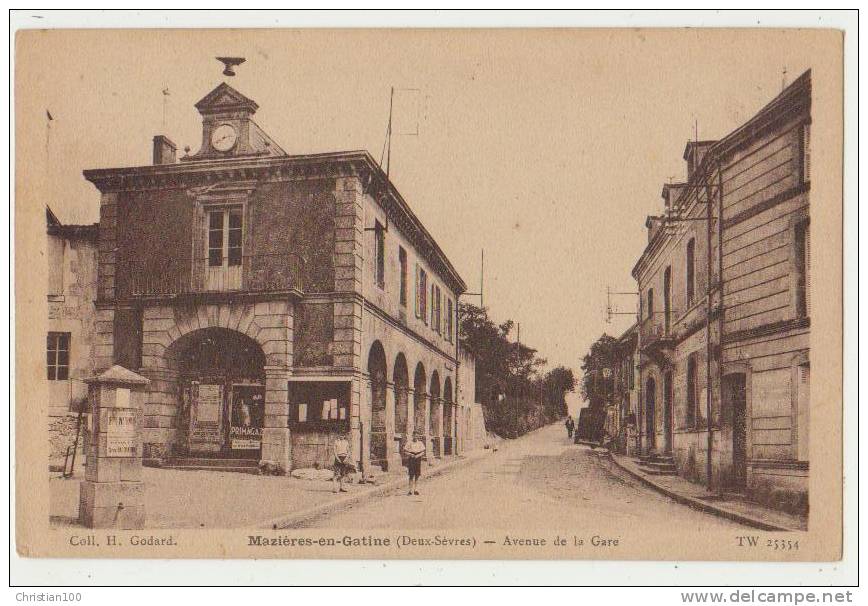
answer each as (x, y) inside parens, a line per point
(570, 427)
(415, 452)
(342, 463)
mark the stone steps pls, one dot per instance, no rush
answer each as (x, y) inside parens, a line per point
(658, 465)
(213, 464)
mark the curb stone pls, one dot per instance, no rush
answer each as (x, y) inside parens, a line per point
(698, 503)
(317, 511)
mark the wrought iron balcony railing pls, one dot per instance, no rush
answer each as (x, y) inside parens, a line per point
(215, 274)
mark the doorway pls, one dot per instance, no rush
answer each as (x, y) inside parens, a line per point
(221, 375)
(735, 394)
(650, 420)
(667, 413)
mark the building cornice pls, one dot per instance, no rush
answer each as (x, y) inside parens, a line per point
(360, 164)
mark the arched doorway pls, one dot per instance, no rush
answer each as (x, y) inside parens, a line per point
(434, 426)
(221, 382)
(401, 378)
(448, 418)
(377, 379)
(419, 395)
(650, 420)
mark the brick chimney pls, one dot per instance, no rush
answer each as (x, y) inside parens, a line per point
(653, 223)
(164, 150)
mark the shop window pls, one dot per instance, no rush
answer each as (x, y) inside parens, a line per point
(318, 403)
(58, 356)
(402, 260)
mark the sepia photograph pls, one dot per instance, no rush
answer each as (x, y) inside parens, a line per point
(459, 294)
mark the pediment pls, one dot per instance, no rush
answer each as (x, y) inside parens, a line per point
(225, 98)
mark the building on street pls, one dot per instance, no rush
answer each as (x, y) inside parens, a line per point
(274, 301)
(72, 261)
(724, 285)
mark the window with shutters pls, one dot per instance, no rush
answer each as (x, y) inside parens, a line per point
(450, 323)
(402, 261)
(803, 268)
(691, 271)
(380, 254)
(667, 297)
(805, 145)
(421, 294)
(803, 401)
(435, 307)
(58, 356)
(650, 304)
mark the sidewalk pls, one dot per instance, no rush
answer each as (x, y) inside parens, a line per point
(215, 499)
(696, 496)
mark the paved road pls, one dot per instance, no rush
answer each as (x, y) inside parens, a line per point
(538, 481)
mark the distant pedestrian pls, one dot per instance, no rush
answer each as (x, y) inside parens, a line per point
(571, 426)
(343, 466)
(415, 452)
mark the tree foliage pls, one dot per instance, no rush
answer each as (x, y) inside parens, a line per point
(598, 371)
(515, 394)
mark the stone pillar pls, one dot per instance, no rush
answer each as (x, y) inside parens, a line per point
(438, 426)
(160, 414)
(276, 449)
(356, 403)
(426, 423)
(364, 430)
(112, 493)
(393, 454)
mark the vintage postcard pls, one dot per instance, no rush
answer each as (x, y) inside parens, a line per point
(429, 294)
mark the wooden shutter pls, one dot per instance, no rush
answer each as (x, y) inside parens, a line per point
(803, 395)
(418, 297)
(808, 270)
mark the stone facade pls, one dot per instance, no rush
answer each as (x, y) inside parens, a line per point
(724, 286)
(72, 263)
(251, 269)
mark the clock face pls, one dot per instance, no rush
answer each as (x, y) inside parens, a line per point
(223, 137)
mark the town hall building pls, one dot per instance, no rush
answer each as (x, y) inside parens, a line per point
(275, 302)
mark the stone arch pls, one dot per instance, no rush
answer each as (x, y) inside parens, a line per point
(213, 356)
(435, 419)
(267, 323)
(448, 417)
(420, 395)
(377, 378)
(401, 380)
(166, 329)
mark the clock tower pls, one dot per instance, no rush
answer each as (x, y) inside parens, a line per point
(228, 130)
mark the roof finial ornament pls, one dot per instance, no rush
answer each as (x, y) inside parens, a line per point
(229, 63)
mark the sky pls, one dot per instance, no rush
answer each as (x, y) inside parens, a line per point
(545, 149)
